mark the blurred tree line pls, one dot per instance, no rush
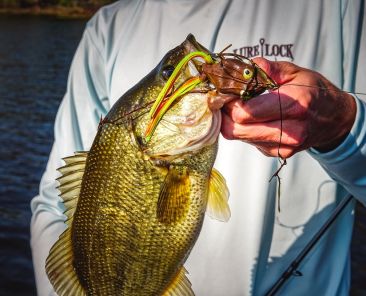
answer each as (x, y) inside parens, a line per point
(52, 3)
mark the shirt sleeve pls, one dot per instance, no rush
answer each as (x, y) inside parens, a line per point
(347, 163)
(85, 101)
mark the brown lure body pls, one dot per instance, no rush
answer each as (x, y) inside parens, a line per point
(238, 76)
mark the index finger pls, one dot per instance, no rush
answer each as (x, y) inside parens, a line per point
(266, 107)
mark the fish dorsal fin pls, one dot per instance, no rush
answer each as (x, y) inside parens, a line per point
(173, 199)
(59, 263)
(180, 286)
(218, 196)
(70, 181)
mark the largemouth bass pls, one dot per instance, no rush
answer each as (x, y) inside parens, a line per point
(135, 203)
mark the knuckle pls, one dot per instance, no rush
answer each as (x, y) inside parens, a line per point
(238, 115)
(296, 141)
(227, 134)
(286, 153)
(287, 65)
(299, 111)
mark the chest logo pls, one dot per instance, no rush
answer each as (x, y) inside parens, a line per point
(267, 50)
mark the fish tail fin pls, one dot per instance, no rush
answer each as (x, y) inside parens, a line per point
(59, 263)
(180, 286)
(218, 196)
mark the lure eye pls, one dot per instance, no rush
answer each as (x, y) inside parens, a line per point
(167, 71)
(247, 73)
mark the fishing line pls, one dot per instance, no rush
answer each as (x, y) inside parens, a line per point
(281, 160)
(103, 120)
(139, 108)
(222, 52)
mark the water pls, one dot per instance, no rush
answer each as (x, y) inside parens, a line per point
(35, 54)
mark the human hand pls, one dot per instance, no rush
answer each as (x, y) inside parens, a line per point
(315, 113)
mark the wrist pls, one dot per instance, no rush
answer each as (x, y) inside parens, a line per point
(344, 125)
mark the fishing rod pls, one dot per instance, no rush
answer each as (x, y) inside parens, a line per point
(292, 270)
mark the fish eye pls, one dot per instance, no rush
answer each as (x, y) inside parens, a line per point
(247, 73)
(167, 71)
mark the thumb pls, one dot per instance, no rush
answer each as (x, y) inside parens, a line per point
(281, 72)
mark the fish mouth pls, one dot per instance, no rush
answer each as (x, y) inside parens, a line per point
(189, 126)
(170, 92)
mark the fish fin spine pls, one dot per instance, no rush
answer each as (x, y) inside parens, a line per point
(59, 263)
(180, 286)
(218, 196)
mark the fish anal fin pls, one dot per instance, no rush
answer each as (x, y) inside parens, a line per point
(59, 263)
(180, 286)
(218, 196)
(174, 194)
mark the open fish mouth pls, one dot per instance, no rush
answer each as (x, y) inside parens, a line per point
(181, 117)
(171, 92)
(189, 126)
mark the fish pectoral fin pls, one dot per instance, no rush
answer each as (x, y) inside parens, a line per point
(180, 286)
(218, 196)
(173, 199)
(59, 263)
